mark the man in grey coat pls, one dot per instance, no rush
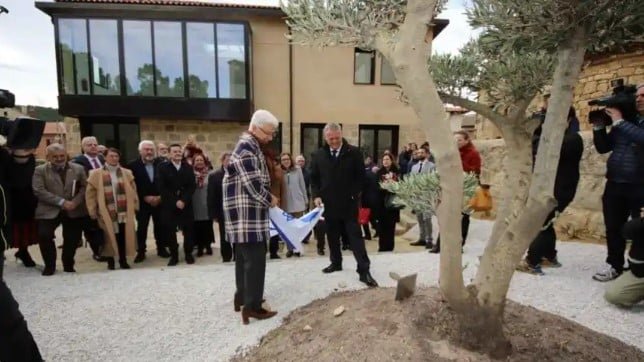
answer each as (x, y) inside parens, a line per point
(424, 218)
(60, 188)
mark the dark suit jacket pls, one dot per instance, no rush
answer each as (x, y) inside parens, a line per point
(83, 161)
(144, 186)
(11, 174)
(174, 186)
(215, 194)
(338, 181)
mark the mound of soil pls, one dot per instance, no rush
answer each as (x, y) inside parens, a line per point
(374, 327)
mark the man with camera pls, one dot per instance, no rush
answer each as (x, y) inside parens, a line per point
(624, 192)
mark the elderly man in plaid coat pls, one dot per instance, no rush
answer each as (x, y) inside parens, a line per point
(246, 199)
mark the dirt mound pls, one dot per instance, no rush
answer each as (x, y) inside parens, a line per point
(374, 327)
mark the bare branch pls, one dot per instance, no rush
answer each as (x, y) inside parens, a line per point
(482, 109)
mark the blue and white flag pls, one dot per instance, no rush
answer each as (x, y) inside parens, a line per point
(291, 229)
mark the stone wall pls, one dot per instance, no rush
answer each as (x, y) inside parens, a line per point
(583, 218)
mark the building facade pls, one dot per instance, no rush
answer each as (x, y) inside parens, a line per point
(166, 69)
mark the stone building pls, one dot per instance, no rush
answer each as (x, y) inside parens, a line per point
(166, 69)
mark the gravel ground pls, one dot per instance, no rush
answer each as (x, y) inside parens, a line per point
(185, 313)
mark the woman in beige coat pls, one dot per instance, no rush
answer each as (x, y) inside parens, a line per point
(111, 198)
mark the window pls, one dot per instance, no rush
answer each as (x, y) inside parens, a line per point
(386, 73)
(168, 59)
(201, 60)
(137, 47)
(104, 48)
(74, 61)
(231, 60)
(363, 66)
(119, 132)
(376, 139)
(311, 138)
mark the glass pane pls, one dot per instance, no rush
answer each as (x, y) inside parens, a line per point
(367, 142)
(201, 60)
(137, 46)
(363, 65)
(128, 141)
(386, 73)
(72, 35)
(103, 42)
(385, 138)
(168, 55)
(231, 60)
(311, 137)
(104, 133)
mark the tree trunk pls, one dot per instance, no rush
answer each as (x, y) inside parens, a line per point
(409, 59)
(496, 269)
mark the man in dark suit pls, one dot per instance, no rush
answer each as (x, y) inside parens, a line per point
(337, 178)
(91, 159)
(144, 170)
(176, 182)
(216, 206)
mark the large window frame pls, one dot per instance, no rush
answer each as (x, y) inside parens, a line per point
(372, 71)
(376, 128)
(121, 56)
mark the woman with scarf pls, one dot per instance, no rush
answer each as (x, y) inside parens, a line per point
(387, 215)
(294, 197)
(204, 233)
(112, 200)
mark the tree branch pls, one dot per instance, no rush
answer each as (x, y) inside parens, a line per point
(479, 108)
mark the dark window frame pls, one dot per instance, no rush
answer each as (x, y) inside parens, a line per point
(373, 66)
(318, 126)
(395, 134)
(122, 77)
(86, 129)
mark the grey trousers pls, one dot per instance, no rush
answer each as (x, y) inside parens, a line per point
(425, 225)
(250, 272)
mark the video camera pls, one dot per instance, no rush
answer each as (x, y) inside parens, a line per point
(23, 132)
(622, 98)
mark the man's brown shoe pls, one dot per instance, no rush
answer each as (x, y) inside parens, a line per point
(257, 314)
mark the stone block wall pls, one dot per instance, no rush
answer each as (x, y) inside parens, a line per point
(583, 218)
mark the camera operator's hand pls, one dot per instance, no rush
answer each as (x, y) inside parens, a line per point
(614, 113)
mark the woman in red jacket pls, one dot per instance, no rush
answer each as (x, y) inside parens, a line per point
(471, 161)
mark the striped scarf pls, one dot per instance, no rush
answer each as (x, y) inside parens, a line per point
(116, 206)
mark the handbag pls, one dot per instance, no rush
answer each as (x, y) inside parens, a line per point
(482, 200)
(364, 214)
(389, 203)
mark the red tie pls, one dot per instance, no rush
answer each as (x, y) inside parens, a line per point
(95, 163)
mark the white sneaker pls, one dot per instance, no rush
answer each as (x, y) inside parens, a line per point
(606, 275)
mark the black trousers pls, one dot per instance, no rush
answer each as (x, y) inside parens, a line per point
(273, 245)
(16, 342)
(465, 229)
(335, 227)
(188, 238)
(319, 231)
(120, 243)
(72, 233)
(143, 221)
(544, 245)
(618, 203)
(387, 230)
(90, 229)
(250, 272)
(226, 248)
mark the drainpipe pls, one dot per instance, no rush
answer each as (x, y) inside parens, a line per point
(290, 92)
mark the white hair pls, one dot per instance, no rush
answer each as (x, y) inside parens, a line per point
(332, 127)
(55, 147)
(146, 142)
(641, 85)
(263, 117)
(88, 139)
(300, 157)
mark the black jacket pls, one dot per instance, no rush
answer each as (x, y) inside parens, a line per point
(144, 186)
(174, 186)
(338, 181)
(626, 141)
(12, 175)
(370, 191)
(215, 194)
(83, 161)
(381, 210)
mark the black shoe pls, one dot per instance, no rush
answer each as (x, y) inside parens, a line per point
(163, 253)
(346, 247)
(123, 264)
(139, 258)
(289, 253)
(419, 243)
(332, 268)
(435, 250)
(173, 261)
(100, 259)
(190, 259)
(69, 269)
(208, 251)
(297, 254)
(25, 258)
(48, 271)
(368, 279)
(110, 264)
(305, 241)
(321, 252)
(429, 245)
(275, 256)
(199, 252)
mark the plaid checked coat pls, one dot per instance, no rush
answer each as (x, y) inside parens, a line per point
(246, 193)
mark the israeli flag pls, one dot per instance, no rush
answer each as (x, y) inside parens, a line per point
(290, 229)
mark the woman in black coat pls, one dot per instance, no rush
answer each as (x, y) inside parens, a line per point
(216, 208)
(24, 210)
(387, 216)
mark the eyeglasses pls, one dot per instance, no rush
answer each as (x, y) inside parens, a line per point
(267, 133)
